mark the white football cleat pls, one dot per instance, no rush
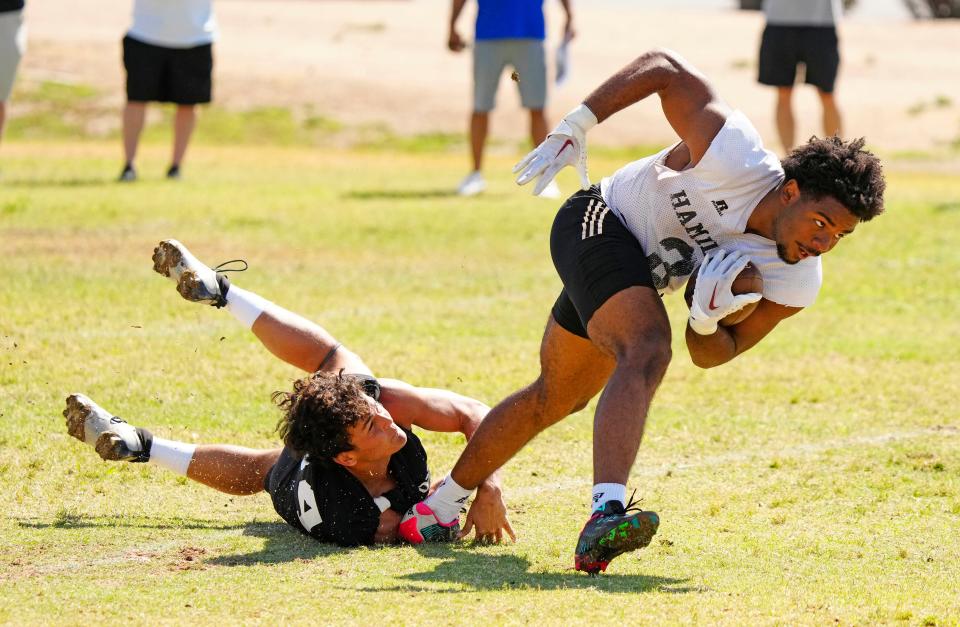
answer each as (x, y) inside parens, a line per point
(113, 438)
(195, 281)
(472, 185)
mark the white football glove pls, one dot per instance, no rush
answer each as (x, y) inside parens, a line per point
(566, 145)
(713, 299)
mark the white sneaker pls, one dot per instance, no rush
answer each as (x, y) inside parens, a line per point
(195, 281)
(113, 438)
(551, 191)
(472, 185)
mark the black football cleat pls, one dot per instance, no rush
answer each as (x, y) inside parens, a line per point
(611, 531)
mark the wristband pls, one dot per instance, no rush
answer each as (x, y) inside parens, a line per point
(582, 117)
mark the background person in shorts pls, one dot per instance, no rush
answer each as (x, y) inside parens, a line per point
(12, 44)
(168, 56)
(801, 33)
(508, 32)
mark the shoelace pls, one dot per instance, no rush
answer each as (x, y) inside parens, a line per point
(223, 266)
(634, 504)
(223, 282)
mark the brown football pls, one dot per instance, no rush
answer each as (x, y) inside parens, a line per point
(748, 281)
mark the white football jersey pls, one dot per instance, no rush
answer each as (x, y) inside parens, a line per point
(678, 216)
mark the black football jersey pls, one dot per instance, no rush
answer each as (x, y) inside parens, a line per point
(328, 503)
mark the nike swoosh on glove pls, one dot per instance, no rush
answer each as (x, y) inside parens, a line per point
(713, 297)
(566, 145)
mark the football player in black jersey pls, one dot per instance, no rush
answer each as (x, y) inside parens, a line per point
(351, 464)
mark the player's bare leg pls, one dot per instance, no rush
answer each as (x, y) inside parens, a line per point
(227, 468)
(633, 326)
(479, 127)
(184, 121)
(832, 120)
(786, 127)
(572, 371)
(289, 336)
(134, 115)
(538, 126)
(303, 343)
(473, 183)
(232, 469)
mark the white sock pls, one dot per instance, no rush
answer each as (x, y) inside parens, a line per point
(447, 500)
(603, 492)
(245, 306)
(175, 456)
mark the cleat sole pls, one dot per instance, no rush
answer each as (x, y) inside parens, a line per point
(167, 259)
(191, 288)
(76, 415)
(110, 447)
(629, 535)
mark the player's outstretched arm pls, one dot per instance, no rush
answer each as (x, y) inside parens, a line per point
(442, 410)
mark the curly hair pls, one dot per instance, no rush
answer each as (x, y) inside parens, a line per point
(318, 412)
(843, 170)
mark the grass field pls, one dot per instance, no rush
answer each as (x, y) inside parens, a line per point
(814, 480)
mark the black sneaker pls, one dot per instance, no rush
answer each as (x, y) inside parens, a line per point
(174, 173)
(612, 531)
(128, 175)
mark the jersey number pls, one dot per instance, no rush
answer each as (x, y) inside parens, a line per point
(663, 269)
(307, 502)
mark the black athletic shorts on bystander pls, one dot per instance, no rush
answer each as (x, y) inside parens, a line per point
(161, 74)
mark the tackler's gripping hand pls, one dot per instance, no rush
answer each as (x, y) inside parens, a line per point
(713, 298)
(566, 145)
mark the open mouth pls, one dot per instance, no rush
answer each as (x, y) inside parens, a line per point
(804, 253)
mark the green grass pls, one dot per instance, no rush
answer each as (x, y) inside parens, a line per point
(814, 480)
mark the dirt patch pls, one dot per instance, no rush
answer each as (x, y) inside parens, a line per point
(189, 558)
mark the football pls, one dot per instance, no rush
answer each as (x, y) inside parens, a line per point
(749, 280)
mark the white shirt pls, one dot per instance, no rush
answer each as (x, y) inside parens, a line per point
(174, 23)
(802, 12)
(678, 216)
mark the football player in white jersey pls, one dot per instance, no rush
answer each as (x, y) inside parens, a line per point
(717, 198)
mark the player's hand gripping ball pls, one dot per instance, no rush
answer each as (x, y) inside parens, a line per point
(749, 281)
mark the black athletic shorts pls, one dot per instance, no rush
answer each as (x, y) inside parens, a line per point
(161, 74)
(595, 256)
(783, 48)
